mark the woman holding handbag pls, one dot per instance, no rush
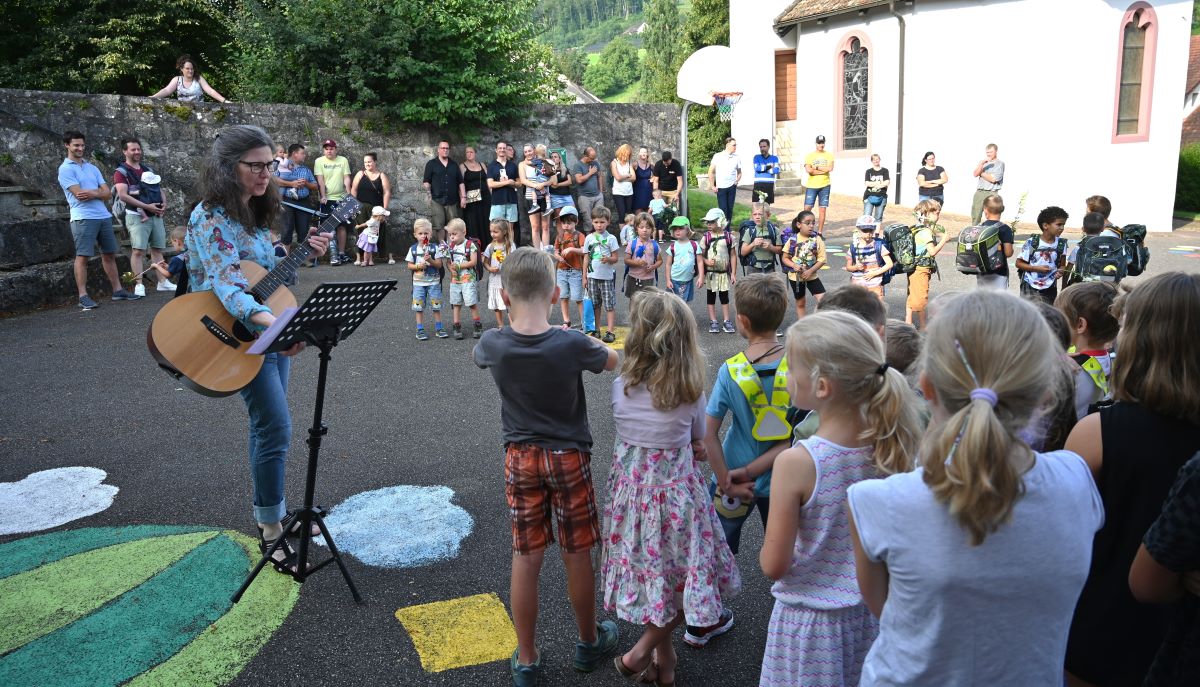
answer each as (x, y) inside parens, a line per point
(475, 214)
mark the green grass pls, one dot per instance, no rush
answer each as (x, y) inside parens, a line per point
(1188, 215)
(628, 94)
(700, 202)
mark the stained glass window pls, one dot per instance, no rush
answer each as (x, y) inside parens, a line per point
(854, 97)
(1133, 52)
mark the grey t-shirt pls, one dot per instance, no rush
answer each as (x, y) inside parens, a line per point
(996, 169)
(958, 614)
(591, 187)
(540, 378)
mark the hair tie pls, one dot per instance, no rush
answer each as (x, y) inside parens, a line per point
(985, 394)
(882, 369)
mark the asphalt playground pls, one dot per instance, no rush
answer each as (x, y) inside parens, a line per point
(131, 586)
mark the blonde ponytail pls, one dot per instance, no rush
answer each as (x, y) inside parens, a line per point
(989, 357)
(844, 349)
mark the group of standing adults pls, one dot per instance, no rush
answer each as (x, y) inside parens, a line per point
(533, 190)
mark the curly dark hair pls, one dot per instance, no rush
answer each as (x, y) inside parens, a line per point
(219, 185)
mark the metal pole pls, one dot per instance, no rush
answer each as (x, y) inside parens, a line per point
(899, 175)
(683, 154)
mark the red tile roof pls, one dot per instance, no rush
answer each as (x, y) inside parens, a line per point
(1191, 130)
(814, 9)
(1193, 74)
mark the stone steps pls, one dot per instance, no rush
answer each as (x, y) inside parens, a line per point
(22, 203)
(52, 284)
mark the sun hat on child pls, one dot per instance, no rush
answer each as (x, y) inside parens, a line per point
(715, 215)
(865, 221)
(680, 221)
(380, 210)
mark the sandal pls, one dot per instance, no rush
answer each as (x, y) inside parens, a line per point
(287, 564)
(293, 530)
(627, 672)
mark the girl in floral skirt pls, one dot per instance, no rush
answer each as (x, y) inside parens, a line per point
(665, 556)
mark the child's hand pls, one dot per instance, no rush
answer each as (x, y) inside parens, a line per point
(743, 491)
(699, 452)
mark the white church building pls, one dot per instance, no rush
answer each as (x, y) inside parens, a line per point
(1082, 97)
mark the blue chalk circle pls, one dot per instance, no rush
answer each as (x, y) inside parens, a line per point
(400, 527)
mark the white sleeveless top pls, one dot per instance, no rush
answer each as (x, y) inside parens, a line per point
(822, 574)
(189, 94)
(623, 188)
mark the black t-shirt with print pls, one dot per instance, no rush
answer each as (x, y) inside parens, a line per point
(876, 176)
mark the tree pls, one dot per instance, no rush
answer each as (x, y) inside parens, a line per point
(616, 68)
(572, 64)
(664, 53)
(108, 46)
(707, 24)
(420, 62)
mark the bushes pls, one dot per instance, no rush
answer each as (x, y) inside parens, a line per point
(1187, 185)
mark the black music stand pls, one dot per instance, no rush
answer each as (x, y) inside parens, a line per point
(331, 313)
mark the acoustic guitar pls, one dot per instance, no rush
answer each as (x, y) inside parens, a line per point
(196, 340)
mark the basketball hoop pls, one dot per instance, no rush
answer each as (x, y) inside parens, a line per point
(725, 103)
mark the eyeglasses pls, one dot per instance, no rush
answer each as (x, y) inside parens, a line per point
(260, 167)
(809, 222)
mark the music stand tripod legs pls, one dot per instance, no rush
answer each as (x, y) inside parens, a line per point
(310, 514)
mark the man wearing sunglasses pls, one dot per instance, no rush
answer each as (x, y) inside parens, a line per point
(333, 182)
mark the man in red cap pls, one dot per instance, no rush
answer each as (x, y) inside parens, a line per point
(333, 182)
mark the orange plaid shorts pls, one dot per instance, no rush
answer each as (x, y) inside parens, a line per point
(538, 480)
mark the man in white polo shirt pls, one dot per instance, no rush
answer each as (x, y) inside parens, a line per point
(724, 173)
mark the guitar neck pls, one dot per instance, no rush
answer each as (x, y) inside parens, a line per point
(300, 254)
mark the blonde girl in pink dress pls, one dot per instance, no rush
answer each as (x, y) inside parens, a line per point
(665, 557)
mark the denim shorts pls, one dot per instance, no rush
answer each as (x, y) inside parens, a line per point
(557, 201)
(505, 211)
(683, 289)
(464, 294)
(430, 296)
(812, 195)
(570, 282)
(87, 232)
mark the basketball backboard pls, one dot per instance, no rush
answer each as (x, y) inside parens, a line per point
(709, 70)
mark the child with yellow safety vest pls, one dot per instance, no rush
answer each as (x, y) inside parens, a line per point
(1088, 307)
(752, 387)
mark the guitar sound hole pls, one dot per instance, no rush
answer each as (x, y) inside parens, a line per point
(242, 334)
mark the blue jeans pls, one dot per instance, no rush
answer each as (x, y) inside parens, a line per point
(270, 436)
(813, 196)
(725, 198)
(875, 211)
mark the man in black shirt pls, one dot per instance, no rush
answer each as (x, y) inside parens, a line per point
(665, 178)
(444, 182)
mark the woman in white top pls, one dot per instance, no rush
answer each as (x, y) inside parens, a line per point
(974, 562)
(189, 86)
(622, 176)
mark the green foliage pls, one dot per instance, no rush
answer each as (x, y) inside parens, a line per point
(664, 51)
(571, 63)
(582, 23)
(107, 46)
(707, 24)
(1195, 17)
(700, 202)
(616, 68)
(452, 63)
(1187, 185)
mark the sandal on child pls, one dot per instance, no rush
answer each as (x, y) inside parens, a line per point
(627, 672)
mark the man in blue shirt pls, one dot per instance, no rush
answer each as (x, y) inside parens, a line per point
(766, 170)
(296, 185)
(91, 220)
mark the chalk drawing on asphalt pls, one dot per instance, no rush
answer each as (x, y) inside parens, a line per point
(400, 527)
(47, 499)
(460, 632)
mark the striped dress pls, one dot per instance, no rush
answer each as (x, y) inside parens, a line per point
(820, 629)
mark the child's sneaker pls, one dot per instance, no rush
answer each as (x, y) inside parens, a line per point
(525, 675)
(713, 327)
(699, 636)
(478, 330)
(421, 335)
(458, 331)
(441, 333)
(729, 328)
(609, 337)
(589, 656)
(391, 261)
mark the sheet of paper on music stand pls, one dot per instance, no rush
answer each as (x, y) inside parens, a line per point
(263, 343)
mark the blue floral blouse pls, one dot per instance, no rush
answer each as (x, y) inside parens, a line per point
(216, 247)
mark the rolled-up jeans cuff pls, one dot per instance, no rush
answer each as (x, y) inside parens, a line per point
(267, 515)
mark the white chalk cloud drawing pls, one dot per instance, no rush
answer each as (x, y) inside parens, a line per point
(400, 527)
(50, 498)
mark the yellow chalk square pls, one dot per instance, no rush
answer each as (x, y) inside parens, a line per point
(460, 632)
(620, 332)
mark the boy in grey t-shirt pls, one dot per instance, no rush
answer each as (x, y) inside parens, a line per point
(539, 373)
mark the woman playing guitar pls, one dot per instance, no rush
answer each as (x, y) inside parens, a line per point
(231, 225)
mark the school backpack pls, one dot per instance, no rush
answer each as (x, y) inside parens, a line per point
(899, 241)
(979, 250)
(748, 260)
(1134, 236)
(1031, 244)
(708, 243)
(1100, 258)
(879, 246)
(472, 245)
(696, 260)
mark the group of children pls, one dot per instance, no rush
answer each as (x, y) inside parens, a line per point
(921, 525)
